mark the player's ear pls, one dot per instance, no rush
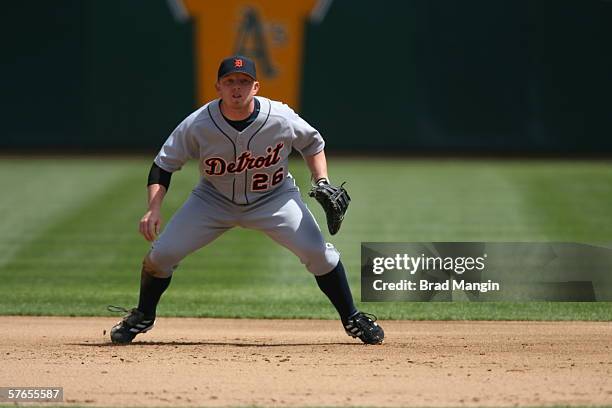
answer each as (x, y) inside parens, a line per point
(255, 87)
(218, 88)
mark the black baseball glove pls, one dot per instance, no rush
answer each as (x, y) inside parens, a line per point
(334, 200)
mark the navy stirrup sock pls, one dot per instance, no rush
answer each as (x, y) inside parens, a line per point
(336, 288)
(151, 289)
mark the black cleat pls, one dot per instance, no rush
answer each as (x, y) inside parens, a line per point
(134, 322)
(364, 326)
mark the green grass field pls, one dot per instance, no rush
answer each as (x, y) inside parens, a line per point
(69, 242)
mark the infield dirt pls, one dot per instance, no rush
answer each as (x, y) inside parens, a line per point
(225, 362)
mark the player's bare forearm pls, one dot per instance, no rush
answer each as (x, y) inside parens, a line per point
(317, 165)
(157, 192)
(151, 221)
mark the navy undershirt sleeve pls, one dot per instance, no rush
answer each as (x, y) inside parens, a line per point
(157, 175)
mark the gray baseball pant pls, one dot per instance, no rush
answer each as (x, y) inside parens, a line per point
(282, 215)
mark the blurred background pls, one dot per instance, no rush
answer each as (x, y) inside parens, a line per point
(452, 121)
(417, 76)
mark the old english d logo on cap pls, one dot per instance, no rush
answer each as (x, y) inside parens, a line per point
(237, 63)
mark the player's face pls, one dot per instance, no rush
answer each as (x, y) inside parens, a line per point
(237, 90)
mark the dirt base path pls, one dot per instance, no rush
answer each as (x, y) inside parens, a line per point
(221, 362)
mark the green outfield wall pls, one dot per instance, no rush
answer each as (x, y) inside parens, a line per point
(474, 76)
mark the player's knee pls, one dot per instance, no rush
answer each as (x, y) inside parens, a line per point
(158, 265)
(320, 261)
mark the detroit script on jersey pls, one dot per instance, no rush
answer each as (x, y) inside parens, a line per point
(243, 166)
(217, 166)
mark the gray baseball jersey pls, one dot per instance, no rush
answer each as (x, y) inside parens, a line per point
(244, 182)
(243, 166)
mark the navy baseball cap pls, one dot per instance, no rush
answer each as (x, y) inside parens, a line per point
(237, 63)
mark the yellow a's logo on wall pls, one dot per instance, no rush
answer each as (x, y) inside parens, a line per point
(269, 31)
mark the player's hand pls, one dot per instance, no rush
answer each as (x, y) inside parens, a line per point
(150, 224)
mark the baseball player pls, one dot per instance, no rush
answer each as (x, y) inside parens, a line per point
(242, 143)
